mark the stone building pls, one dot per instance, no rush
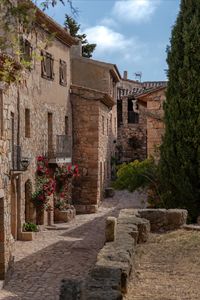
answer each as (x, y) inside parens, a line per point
(93, 96)
(35, 120)
(154, 99)
(140, 125)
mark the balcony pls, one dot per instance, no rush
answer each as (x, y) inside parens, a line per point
(19, 163)
(62, 152)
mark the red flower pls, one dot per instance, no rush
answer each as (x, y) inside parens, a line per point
(40, 158)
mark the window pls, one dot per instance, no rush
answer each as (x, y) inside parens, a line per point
(26, 50)
(133, 117)
(115, 125)
(27, 123)
(63, 73)
(66, 125)
(50, 133)
(102, 121)
(119, 112)
(1, 114)
(47, 64)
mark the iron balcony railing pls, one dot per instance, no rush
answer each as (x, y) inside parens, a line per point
(63, 147)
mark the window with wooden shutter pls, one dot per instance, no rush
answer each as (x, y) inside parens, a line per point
(47, 65)
(66, 125)
(26, 50)
(63, 72)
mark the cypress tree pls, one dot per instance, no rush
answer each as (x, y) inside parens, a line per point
(180, 151)
(73, 27)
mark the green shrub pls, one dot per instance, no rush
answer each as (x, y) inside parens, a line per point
(135, 175)
(30, 227)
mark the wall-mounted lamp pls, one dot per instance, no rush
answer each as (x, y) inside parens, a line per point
(25, 162)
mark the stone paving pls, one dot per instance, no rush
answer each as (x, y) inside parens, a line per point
(69, 252)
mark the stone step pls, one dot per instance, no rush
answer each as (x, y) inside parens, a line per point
(195, 227)
(61, 226)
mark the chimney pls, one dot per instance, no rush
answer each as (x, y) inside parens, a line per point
(125, 75)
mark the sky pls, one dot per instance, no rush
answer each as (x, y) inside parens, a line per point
(133, 34)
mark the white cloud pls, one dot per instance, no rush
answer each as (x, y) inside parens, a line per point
(112, 42)
(109, 22)
(134, 10)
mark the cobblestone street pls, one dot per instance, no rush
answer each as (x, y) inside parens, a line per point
(69, 252)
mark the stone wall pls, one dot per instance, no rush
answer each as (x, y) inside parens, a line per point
(132, 138)
(95, 75)
(40, 96)
(91, 146)
(94, 128)
(155, 123)
(7, 186)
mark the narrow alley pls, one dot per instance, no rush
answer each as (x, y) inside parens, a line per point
(68, 252)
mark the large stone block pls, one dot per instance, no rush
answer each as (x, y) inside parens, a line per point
(71, 289)
(176, 218)
(156, 217)
(163, 219)
(110, 231)
(143, 229)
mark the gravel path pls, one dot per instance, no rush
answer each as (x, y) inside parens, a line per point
(69, 252)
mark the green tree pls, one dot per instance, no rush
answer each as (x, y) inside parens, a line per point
(73, 27)
(180, 151)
